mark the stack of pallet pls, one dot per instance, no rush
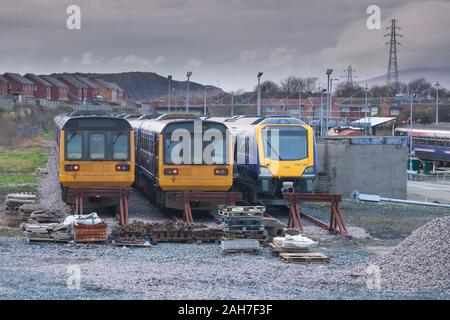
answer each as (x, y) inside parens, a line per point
(243, 222)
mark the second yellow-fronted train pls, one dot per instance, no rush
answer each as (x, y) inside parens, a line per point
(161, 177)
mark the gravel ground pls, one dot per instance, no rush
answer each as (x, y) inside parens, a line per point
(189, 271)
(49, 193)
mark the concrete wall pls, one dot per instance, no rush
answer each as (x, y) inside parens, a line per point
(371, 165)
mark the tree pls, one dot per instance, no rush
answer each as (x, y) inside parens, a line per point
(344, 90)
(290, 85)
(269, 88)
(420, 85)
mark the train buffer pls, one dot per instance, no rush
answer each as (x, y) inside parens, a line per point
(295, 220)
(205, 196)
(111, 192)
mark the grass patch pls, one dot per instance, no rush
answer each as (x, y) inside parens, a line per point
(19, 166)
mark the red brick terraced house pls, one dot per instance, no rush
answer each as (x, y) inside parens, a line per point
(19, 85)
(43, 88)
(3, 86)
(59, 91)
(92, 90)
(77, 90)
(109, 90)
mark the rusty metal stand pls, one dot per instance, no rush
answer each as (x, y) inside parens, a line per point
(187, 196)
(336, 225)
(122, 193)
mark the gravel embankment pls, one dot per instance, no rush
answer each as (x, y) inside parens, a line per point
(49, 191)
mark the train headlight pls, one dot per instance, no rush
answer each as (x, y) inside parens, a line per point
(310, 170)
(122, 167)
(265, 172)
(171, 172)
(221, 172)
(72, 167)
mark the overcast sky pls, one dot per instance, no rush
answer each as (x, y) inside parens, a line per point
(223, 42)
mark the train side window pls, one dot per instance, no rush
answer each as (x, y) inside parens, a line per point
(440, 143)
(120, 146)
(74, 146)
(97, 146)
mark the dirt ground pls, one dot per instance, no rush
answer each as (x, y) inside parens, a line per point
(191, 271)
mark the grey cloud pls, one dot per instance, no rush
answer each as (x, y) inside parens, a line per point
(226, 40)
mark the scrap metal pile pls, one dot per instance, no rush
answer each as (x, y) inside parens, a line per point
(168, 231)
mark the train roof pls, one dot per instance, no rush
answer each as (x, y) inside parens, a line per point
(91, 120)
(158, 124)
(254, 120)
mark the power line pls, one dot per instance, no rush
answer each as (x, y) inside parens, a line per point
(349, 74)
(392, 74)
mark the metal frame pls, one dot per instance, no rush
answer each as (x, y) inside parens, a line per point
(122, 193)
(187, 196)
(336, 224)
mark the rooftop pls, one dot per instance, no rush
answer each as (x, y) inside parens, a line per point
(38, 79)
(54, 81)
(86, 82)
(109, 85)
(73, 81)
(17, 77)
(3, 80)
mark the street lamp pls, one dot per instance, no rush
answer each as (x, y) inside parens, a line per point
(321, 110)
(258, 101)
(328, 73)
(412, 96)
(331, 101)
(437, 103)
(188, 75)
(169, 77)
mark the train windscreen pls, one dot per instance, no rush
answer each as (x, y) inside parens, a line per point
(197, 142)
(96, 145)
(285, 143)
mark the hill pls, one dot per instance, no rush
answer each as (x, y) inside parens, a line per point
(145, 86)
(406, 75)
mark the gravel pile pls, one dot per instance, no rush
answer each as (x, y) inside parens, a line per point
(420, 263)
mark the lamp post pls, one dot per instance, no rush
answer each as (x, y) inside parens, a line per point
(410, 129)
(328, 73)
(299, 98)
(321, 110)
(437, 103)
(169, 77)
(258, 99)
(330, 115)
(188, 75)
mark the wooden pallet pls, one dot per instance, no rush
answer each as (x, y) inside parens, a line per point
(310, 257)
(235, 251)
(277, 250)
